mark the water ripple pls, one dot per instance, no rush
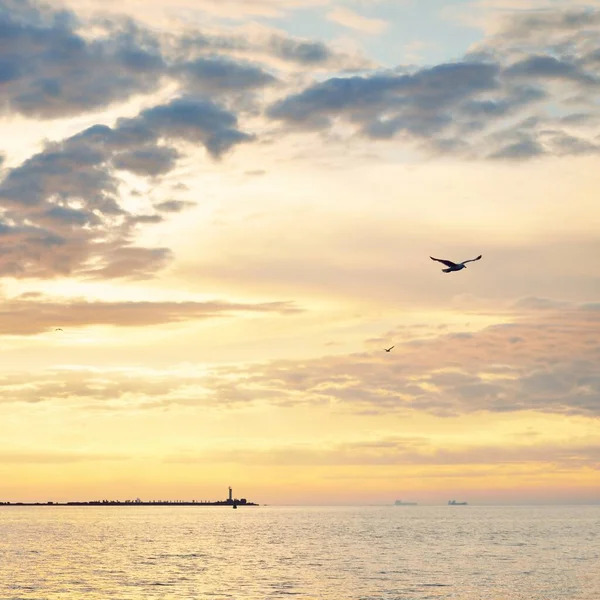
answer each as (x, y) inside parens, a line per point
(367, 553)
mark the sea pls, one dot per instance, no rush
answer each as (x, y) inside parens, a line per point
(328, 553)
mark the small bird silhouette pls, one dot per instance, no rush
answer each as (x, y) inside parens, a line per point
(58, 329)
(388, 349)
(452, 266)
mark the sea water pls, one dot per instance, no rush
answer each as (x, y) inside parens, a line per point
(329, 553)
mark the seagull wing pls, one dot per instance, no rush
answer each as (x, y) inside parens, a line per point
(448, 263)
(390, 348)
(472, 259)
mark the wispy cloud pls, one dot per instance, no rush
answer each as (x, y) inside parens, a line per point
(411, 451)
(536, 363)
(228, 9)
(493, 103)
(540, 360)
(32, 314)
(342, 15)
(51, 457)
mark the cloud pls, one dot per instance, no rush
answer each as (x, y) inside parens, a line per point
(305, 52)
(116, 261)
(191, 119)
(63, 213)
(55, 64)
(228, 9)
(535, 303)
(35, 314)
(525, 148)
(147, 161)
(265, 8)
(420, 105)
(540, 360)
(422, 95)
(473, 107)
(348, 18)
(268, 45)
(215, 74)
(399, 451)
(51, 457)
(551, 68)
(543, 363)
(173, 206)
(91, 389)
(533, 25)
(62, 210)
(49, 70)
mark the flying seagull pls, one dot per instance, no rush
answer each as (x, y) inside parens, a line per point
(454, 266)
(388, 349)
(58, 329)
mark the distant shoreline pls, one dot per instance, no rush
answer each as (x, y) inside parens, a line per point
(131, 503)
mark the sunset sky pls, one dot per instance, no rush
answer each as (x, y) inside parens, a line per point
(228, 207)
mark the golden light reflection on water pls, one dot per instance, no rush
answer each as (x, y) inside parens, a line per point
(342, 553)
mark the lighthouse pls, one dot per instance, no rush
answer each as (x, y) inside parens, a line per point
(230, 499)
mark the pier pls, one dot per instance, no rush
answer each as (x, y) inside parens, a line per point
(231, 501)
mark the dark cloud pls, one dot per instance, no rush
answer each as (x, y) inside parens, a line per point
(216, 74)
(525, 148)
(469, 108)
(194, 120)
(173, 206)
(50, 65)
(153, 161)
(300, 51)
(563, 144)
(382, 103)
(529, 24)
(549, 67)
(30, 315)
(442, 107)
(62, 207)
(48, 69)
(61, 211)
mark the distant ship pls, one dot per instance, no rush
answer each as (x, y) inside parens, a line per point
(455, 503)
(400, 503)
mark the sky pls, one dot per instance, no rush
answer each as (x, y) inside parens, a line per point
(215, 215)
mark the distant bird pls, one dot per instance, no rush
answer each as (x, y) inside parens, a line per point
(388, 349)
(58, 329)
(454, 266)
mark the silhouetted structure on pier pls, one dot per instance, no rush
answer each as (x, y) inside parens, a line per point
(137, 502)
